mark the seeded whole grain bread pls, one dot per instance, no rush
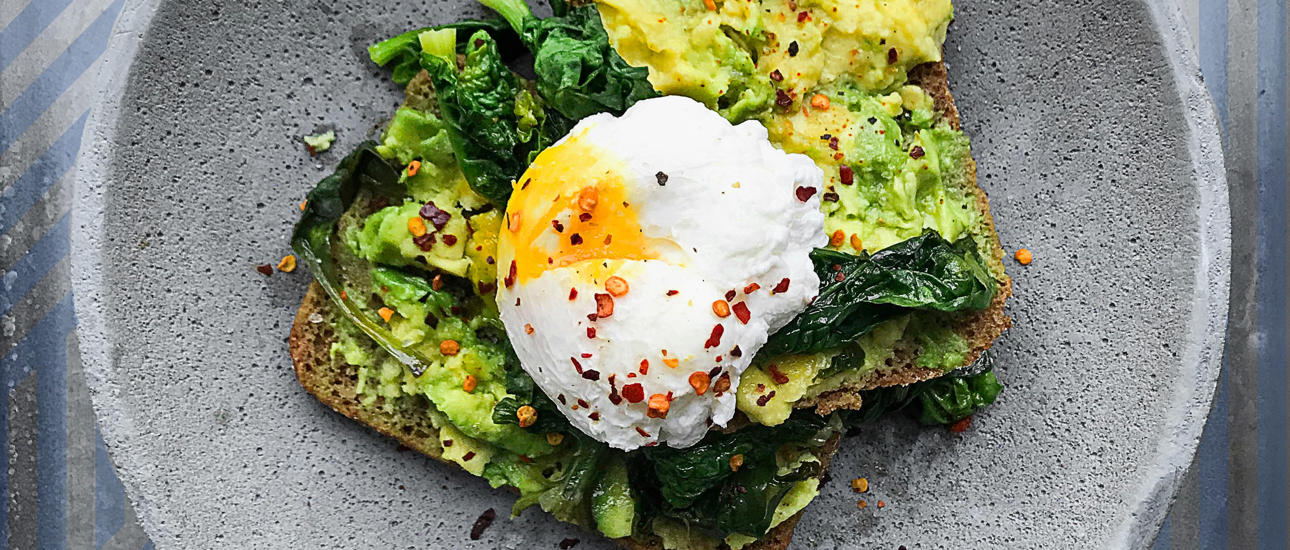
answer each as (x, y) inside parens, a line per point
(335, 382)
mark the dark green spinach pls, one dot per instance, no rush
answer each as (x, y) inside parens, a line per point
(578, 72)
(859, 292)
(402, 53)
(944, 400)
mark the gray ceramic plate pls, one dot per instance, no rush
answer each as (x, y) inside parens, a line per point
(1095, 140)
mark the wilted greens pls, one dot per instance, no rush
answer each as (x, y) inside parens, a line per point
(859, 292)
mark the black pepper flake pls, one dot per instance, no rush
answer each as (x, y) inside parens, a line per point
(447, 443)
(661, 178)
(792, 49)
(559, 227)
(730, 295)
(830, 197)
(485, 520)
(714, 372)
(575, 239)
(736, 352)
(424, 242)
(435, 215)
(873, 120)
(591, 374)
(566, 544)
(561, 399)
(826, 137)
(265, 269)
(485, 288)
(782, 99)
(916, 152)
(584, 217)
(490, 260)
(777, 76)
(380, 202)
(892, 56)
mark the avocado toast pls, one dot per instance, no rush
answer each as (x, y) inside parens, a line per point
(415, 352)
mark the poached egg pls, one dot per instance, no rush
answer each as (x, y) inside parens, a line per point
(646, 258)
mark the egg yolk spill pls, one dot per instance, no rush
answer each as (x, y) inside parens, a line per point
(571, 206)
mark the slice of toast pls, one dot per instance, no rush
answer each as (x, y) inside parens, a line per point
(335, 383)
(979, 328)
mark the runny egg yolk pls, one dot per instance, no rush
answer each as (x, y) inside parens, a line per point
(571, 206)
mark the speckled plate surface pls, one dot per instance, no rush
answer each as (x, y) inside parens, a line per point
(1094, 139)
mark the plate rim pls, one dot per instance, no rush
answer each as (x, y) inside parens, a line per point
(1202, 353)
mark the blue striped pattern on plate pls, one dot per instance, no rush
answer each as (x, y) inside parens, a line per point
(59, 486)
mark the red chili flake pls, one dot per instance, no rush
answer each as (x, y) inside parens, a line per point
(714, 372)
(730, 295)
(582, 403)
(839, 277)
(591, 374)
(559, 227)
(576, 365)
(736, 352)
(714, 339)
(484, 521)
(434, 215)
(608, 238)
(509, 280)
(846, 175)
(777, 76)
(782, 99)
(642, 431)
(592, 317)
(761, 401)
(604, 305)
(634, 393)
(644, 366)
(591, 332)
(673, 292)
(266, 269)
(595, 416)
(449, 240)
(424, 242)
(741, 312)
(469, 455)
(567, 543)
(892, 56)
(962, 425)
(751, 288)
(575, 239)
(447, 443)
(805, 193)
(573, 293)
(803, 17)
(485, 288)
(723, 384)
(781, 287)
(586, 356)
(833, 143)
(651, 444)
(779, 377)
(584, 217)
(613, 391)
(916, 152)
(718, 359)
